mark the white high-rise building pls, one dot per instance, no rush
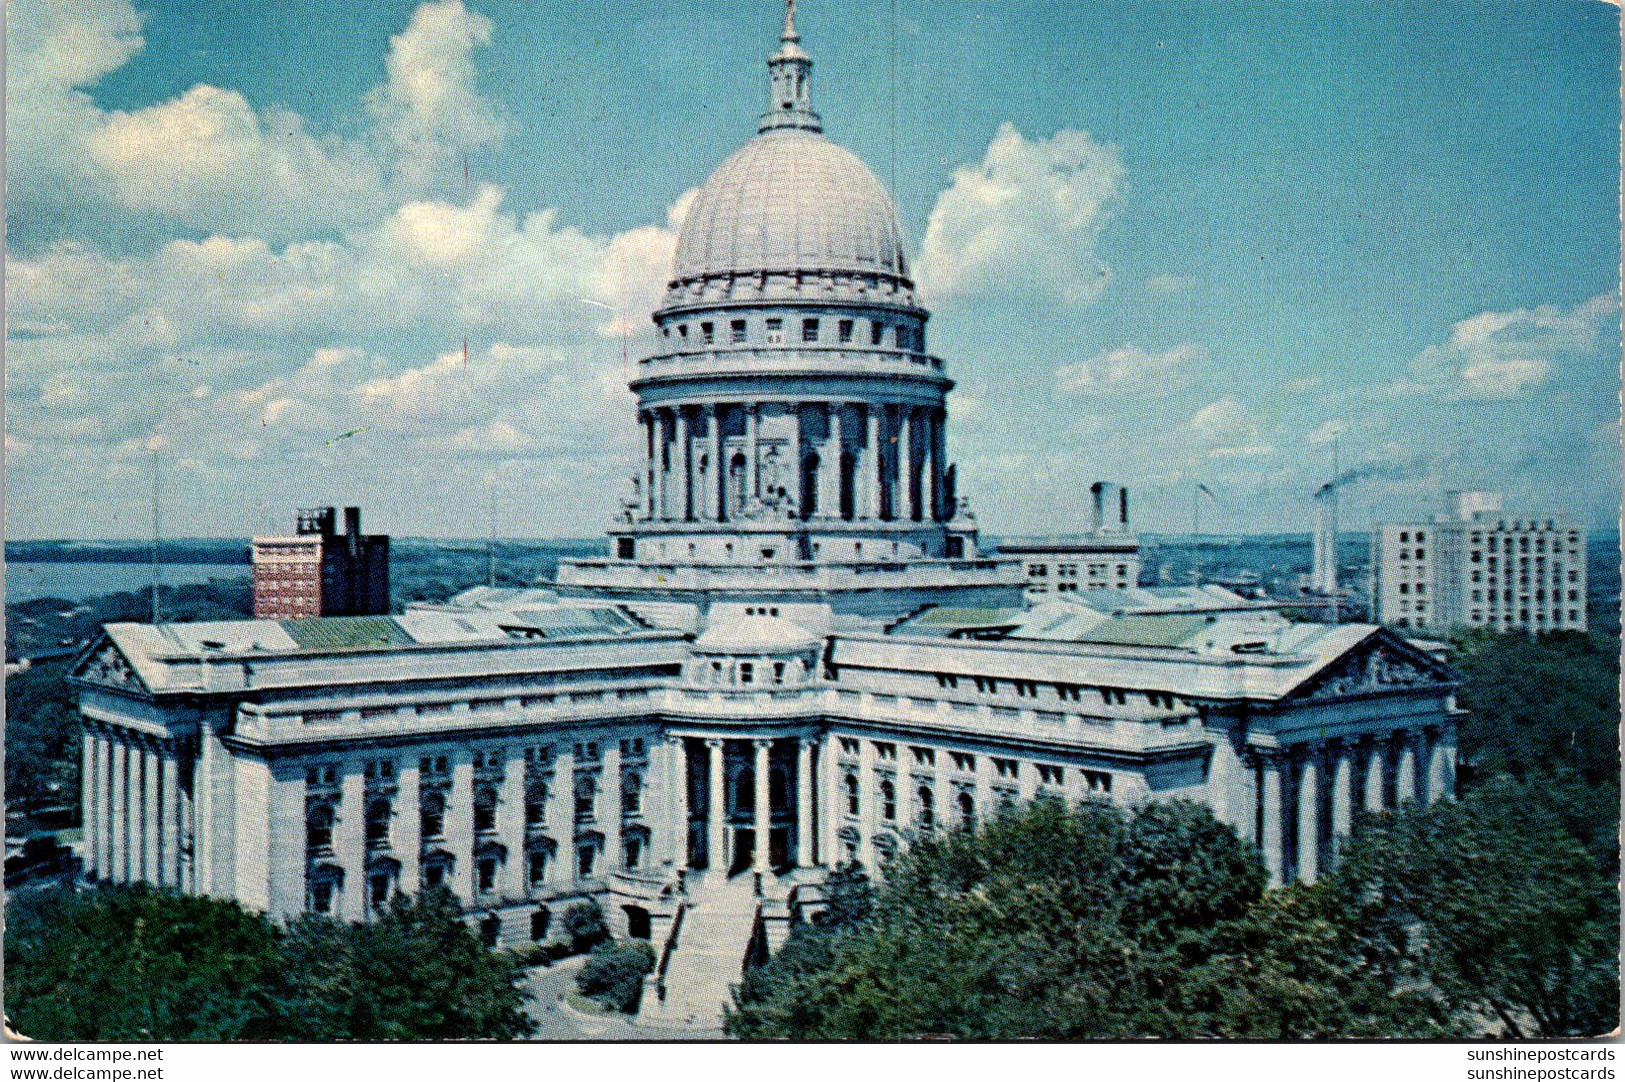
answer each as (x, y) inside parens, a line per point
(1474, 567)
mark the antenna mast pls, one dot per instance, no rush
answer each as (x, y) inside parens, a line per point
(157, 573)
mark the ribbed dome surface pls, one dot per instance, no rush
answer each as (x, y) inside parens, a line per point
(790, 200)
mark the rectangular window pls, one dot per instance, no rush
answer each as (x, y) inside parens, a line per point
(736, 331)
(708, 333)
(877, 331)
(809, 330)
(775, 332)
(843, 330)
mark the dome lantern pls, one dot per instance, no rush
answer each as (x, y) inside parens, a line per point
(790, 99)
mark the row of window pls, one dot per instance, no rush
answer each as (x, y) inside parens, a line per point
(813, 330)
(439, 766)
(1028, 689)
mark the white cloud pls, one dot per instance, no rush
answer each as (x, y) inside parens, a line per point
(429, 108)
(207, 159)
(1023, 222)
(1225, 428)
(1504, 354)
(1325, 433)
(1129, 368)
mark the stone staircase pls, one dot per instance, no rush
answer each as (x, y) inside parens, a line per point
(709, 957)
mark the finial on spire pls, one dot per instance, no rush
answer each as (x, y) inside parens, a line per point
(790, 104)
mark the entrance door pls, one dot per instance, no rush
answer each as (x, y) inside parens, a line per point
(744, 850)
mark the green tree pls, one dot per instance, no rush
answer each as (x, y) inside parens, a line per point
(585, 927)
(135, 963)
(1500, 908)
(1048, 922)
(614, 975)
(416, 973)
(1295, 967)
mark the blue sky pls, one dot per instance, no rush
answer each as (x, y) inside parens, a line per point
(1164, 244)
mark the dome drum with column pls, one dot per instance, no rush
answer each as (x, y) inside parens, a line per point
(792, 417)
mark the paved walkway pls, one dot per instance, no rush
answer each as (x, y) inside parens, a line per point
(556, 1020)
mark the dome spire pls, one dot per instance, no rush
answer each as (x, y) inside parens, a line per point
(790, 102)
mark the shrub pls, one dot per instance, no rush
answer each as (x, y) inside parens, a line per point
(585, 927)
(614, 975)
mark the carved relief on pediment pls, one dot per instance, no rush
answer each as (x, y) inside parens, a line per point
(1379, 669)
(109, 668)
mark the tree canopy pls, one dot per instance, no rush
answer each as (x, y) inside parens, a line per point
(139, 963)
(1058, 923)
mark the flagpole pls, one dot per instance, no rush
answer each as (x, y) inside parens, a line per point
(1196, 531)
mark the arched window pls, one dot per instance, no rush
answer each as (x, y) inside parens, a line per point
(778, 783)
(536, 804)
(848, 486)
(967, 810)
(745, 790)
(434, 813)
(632, 793)
(319, 828)
(378, 815)
(586, 795)
(736, 484)
(888, 800)
(926, 806)
(485, 810)
(850, 782)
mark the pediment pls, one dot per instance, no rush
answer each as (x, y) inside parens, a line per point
(104, 665)
(1382, 663)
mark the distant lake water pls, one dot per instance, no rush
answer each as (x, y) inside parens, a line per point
(77, 581)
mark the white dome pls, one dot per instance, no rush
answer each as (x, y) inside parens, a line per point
(755, 635)
(790, 200)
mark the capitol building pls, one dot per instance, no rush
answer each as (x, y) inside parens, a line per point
(796, 654)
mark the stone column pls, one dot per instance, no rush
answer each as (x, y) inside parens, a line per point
(753, 436)
(685, 468)
(121, 810)
(1375, 764)
(1269, 789)
(677, 791)
(350, 841)
(868, 805)
(874, 467)
(939, 452)
(903, 503)
(942, 792)
(609, 807)
(716, 794)
(985, 804)
(561, 820)
(928, 467)
(171, 814)
(89, 816)
(460, 825)
(408, 827)
(663, 462)
(829, 480)
(285, 810)
(150, 869)
(1405, 779)
(1309, 820)
(104, 804)
(511, 823)
(1342, 798)
(647, 421)
(829, 810)
(135, 805)
(804, 804)
(764, 810)
(719, 473)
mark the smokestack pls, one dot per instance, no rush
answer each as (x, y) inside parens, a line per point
(1323, 577)
(1122, 509)
(1097, 515)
